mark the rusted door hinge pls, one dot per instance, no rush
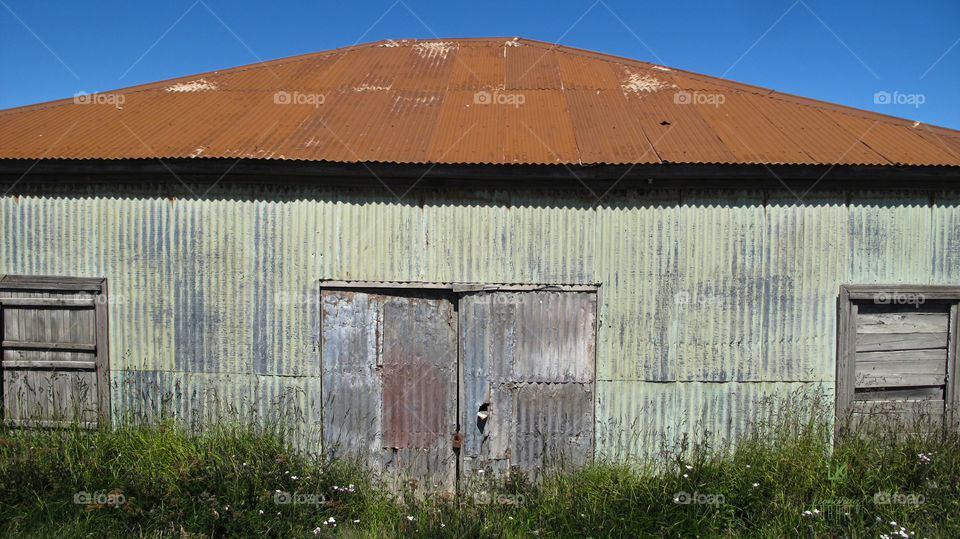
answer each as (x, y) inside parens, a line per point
(457, 440)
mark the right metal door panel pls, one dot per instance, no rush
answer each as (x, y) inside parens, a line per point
(528, 379)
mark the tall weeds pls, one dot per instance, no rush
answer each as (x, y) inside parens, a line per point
(787, 475)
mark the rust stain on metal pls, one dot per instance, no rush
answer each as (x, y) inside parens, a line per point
(470, 100)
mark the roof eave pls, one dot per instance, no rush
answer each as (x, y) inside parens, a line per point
(23, 173)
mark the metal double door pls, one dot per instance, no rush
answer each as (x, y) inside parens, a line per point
(427, 387)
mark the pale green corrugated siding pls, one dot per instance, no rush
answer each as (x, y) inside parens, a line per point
(736, 289)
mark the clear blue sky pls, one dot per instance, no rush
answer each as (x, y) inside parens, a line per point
(843, 52)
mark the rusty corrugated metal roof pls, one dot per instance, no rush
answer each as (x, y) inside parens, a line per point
(475, 100)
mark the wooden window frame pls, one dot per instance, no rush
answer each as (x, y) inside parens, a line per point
(97, 285)
(847, 336)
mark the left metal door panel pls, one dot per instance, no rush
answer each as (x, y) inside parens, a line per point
(390, 383)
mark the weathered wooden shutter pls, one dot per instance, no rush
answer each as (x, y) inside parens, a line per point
(528, 378)
(901, 361)
(897, 355)
(55, 363)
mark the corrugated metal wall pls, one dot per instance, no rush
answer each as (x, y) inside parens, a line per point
(708, 299)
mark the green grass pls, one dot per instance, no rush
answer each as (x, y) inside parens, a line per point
(161, 479)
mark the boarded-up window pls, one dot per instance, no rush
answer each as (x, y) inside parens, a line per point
(434, 381)
(897, 352)
(54, 346)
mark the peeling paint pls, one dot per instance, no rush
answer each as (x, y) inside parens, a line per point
(515, 42)
(199, 85)
(660, 68)
(401, 102)
(434, 49)
(310, 142)
(637, 82)
(364, 87)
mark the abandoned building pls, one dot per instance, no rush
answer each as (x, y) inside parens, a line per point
(466, 253)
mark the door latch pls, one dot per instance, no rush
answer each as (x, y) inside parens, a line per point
(457, 440)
